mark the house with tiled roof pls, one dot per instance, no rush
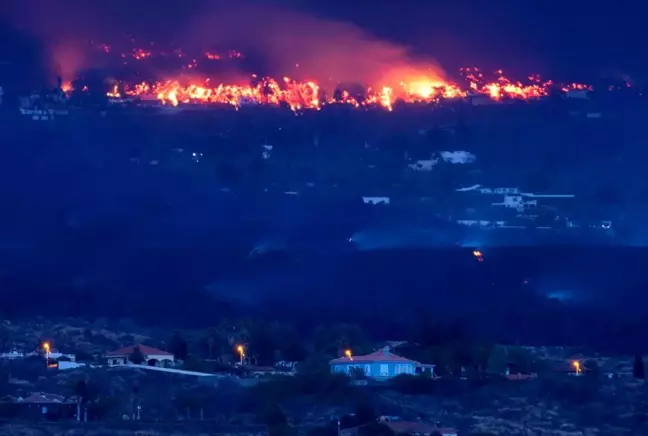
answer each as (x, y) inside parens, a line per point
(379, 365)
(152, 356)
(39, 406)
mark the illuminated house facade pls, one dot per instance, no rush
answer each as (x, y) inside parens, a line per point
(152, 356)
(379, 365)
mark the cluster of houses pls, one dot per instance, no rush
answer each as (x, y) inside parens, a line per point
(380, 365)
(152, 357)
(39, 406)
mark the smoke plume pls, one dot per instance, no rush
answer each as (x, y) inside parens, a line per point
(307, 45)
(293, 43)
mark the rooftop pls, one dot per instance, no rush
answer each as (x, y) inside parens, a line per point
(145, 349)
(383, 355)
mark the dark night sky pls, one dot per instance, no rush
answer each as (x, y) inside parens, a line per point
(509, 32)
(574, 37)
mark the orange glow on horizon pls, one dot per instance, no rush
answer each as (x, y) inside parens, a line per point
(411, 84)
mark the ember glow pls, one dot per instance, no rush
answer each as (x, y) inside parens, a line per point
(309, 95)
(418, 87)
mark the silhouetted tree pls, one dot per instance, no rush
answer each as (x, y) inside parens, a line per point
(335, 338)
(178, 346)
(639, 368)
(276, 420)
(103, 407)
(137, 357)
(81, 392)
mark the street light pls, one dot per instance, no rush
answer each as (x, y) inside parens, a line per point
(348, 354)
(577, 367)
(241, 350)
(47, 349)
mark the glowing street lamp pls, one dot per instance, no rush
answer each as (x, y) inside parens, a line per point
(241, 350)
(47, 349)
(577, 367)
(348, 354)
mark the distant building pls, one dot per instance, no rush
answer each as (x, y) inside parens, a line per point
(38, 406)
(152, 356)
(379, 365)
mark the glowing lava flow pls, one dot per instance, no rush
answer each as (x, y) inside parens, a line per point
(310, 95)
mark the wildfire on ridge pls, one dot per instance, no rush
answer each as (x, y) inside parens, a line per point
(309, 94)
(139, 54)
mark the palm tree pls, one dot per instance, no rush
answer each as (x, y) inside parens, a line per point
(84, 394)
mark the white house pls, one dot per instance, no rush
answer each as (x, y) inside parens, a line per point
(379, 365)
(152, 356)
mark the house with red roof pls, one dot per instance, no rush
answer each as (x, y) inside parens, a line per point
(152, 356)
(39, 406)
(379, 365)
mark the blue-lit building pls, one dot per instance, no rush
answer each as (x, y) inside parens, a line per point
(379, 365)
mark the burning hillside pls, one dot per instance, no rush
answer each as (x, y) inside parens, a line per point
(309, 94)
(410, 85)
(282, 56)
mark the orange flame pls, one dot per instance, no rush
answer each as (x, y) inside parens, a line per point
(309, 94)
